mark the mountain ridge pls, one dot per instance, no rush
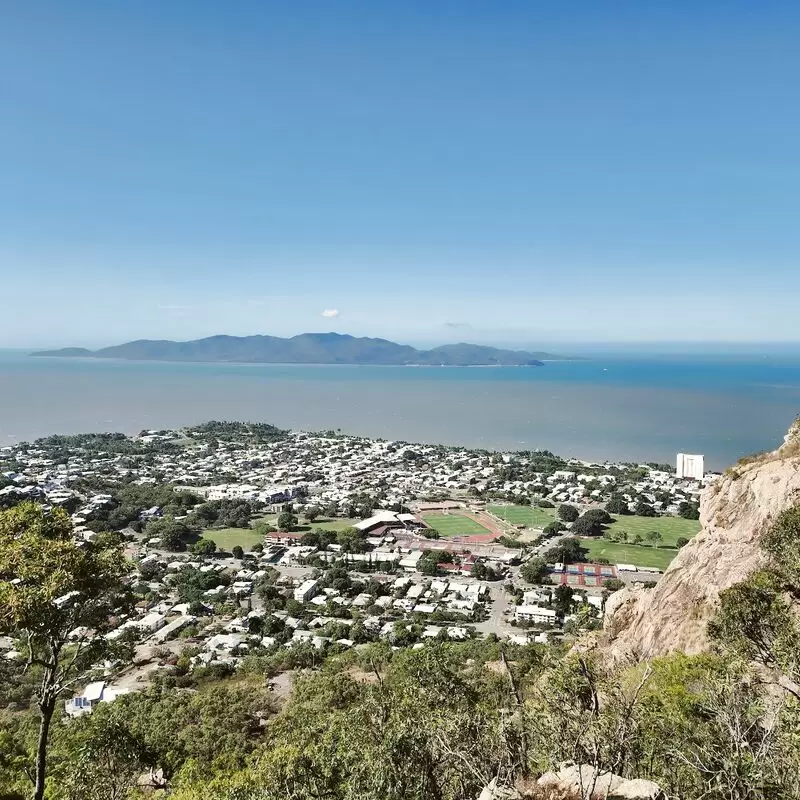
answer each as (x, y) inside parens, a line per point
(305, 348)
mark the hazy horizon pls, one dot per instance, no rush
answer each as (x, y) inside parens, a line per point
(566, 347)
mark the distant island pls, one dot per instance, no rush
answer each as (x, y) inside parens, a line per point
(308, 348)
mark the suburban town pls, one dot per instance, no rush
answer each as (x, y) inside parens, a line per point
(251, 545)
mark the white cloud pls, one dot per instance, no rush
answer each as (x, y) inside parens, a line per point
(330, 313)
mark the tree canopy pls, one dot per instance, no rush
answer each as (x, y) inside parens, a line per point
(50, 586)
(568, 513)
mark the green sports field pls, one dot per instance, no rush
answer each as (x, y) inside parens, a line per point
(643, 557)
(447, 525)
(529, 516)
(228, 538)
(670, 528)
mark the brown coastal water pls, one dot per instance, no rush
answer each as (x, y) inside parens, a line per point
(600, 409)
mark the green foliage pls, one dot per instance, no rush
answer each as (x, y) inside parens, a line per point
(319, 538)
(654, 537)
(693, 725)
(203, 547)
(428, 563)
(131, 499)
(406, 736)
(483, 572)
(567, 551)
(97, 443)
(534, 570)
(782, 546)
(510, 542)
(263, 528)
(181, 733)
(562, 598)
(553, 528)
(222, 513)
(617, 505)
(758, 618)
(173, 534)
(98, 756)
(286, 521)
(755, 619)
(352, 540)
(192, 583)
(244, 432)
(598, 515)
(586, 526)
(568, 513)
(644, 510)
(17, 743)
(689, 511)
(437, 722)
(49, 586)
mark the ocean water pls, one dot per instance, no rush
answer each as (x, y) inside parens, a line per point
(606, 407)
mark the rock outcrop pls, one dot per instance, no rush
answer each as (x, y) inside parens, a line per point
(575, 782)
(734, 512)
(584, 783)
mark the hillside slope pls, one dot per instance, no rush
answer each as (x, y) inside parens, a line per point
(306, 348)
(734, 512)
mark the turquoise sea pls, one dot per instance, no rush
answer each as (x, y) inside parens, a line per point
(606, 407)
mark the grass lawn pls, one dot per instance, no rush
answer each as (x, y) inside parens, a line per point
(227, 538)
(670, 528)
(616, 553)
(448, 525)
(319, 524)
(530, 516)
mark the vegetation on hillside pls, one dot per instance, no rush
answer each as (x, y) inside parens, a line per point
(239, 432)
(409, 724)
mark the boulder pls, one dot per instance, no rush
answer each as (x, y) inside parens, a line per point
(584, 783)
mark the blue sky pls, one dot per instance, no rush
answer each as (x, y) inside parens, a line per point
(517, 172)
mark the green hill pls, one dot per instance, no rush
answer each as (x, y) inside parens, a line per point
(306, 348)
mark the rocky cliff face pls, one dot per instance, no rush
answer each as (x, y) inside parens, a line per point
(735, 512)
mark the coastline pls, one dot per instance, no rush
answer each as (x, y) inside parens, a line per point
(117, 359)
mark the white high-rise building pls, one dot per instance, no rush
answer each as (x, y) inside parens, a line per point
(690, 466)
